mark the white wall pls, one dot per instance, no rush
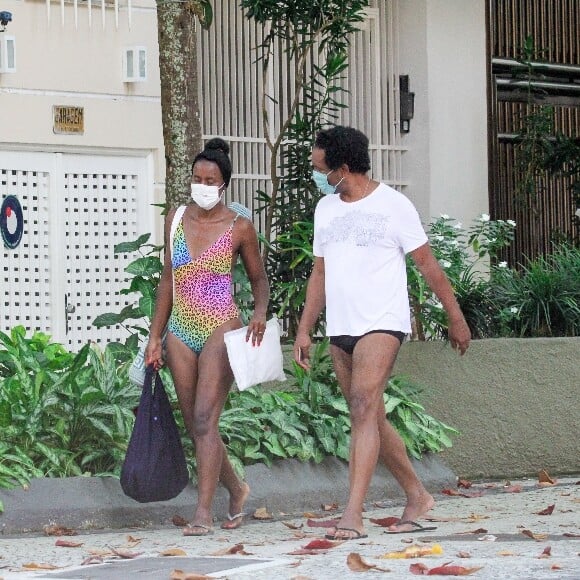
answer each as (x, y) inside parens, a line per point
(443, 49)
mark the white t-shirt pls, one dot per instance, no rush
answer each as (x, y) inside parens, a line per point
(363, 244)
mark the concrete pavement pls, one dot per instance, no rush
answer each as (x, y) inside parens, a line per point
(500, 528)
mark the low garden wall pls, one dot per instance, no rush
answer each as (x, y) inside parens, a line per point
(515, 401)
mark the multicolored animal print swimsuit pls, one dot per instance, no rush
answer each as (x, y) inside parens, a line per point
(202, 289)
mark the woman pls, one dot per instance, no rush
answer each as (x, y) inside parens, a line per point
(195, 303)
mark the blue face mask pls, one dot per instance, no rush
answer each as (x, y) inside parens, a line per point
(321, 181)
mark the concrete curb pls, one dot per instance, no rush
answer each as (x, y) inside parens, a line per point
(289, 486)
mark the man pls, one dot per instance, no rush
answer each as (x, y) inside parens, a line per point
(362, 231)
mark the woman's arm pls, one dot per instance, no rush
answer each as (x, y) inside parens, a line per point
(163, 303)
(249, 251)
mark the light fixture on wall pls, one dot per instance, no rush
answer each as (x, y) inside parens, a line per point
(407, 104)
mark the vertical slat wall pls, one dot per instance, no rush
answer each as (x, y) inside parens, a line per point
(549, 215)
(231, 86)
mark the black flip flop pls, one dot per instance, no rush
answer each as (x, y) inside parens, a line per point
(358, 536)
(416, 528)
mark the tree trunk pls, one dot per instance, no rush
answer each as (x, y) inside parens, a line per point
(176, 27)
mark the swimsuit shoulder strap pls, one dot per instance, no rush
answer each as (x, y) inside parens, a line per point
(175, 222)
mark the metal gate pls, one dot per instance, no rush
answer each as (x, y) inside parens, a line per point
(64, 272)
(231, 80)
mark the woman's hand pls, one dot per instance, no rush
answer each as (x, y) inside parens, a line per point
(256, 329)
(154, 353)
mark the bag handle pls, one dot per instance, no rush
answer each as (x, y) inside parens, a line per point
(174, 223)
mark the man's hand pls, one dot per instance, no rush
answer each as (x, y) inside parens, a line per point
(459, 335)
(302, 350)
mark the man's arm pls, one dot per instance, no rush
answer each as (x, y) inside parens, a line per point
(459, 333)
(315, 301)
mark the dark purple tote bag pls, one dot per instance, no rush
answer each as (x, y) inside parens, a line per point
(154, 468)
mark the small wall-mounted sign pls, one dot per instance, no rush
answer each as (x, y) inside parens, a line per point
(68, 120)
(11, 222)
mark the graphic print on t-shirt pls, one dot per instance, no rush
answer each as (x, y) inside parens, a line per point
(357, 228)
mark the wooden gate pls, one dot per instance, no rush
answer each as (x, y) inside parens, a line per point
(551, 77)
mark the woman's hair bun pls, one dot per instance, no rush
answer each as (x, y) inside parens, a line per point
(217, 144)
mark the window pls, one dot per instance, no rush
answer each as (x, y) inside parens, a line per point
(7, 54)
(134, 64)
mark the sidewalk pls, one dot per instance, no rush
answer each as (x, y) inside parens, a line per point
(498, 527)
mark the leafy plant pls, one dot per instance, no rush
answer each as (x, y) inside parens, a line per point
(61, 414)
(460, 253)
(314, 38)
(542, 298)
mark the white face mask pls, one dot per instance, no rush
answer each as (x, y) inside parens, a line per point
(206, 196)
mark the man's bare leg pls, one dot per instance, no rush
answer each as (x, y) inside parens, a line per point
(392, 449)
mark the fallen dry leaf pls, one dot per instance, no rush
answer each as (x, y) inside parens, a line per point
(546, 512)
(320, 544)
(555, 567)
(262, 514)
(414, 552)
(490, 485)
(125, 554)
(462, 493)
(513, 489)
(506, 553)
(35, 566)
(312, 515)
(68, 544)
(478, 531)
(385, 522)
(445, 570)
(546, 553)
(300, 578)
(464, 483)
(537, 537)
(55, 530)
(463, 555)
(181, 575)
(133, 540)
(179, 522)
(322, 523)
(173, 552)
(355, 562)
(571, 535)
(544, 477)
(236, 549)
(92, 560)
(330, 507)
(293, 526)
(304, 552)
(477, 517)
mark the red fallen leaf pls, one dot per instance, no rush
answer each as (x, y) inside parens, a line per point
(466, 484)
(181, 575)
(513, 489)
(546, 553)
(556, 567)
(546, 512)
(385, 522)
(450, 492)
(68, 544)
(178, 521)
(571, 535)
(322, 523)
(304, 552)
(447, 570)
(321, 545)
(125, 554)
